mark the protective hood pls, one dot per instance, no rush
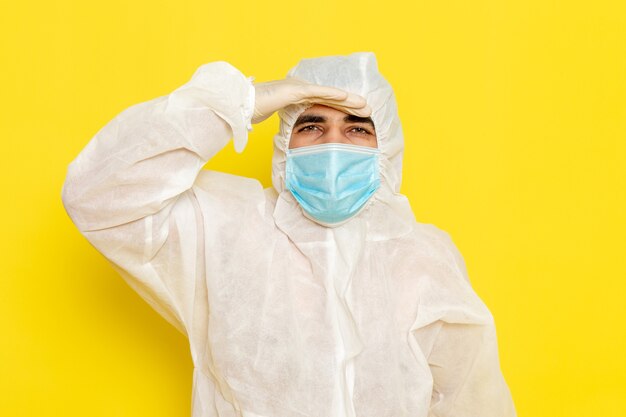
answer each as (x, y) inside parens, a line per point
(356, 73)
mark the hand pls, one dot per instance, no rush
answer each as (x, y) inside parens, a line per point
(274, 95)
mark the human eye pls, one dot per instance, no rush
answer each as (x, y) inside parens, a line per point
(361, 130)
(308, 128)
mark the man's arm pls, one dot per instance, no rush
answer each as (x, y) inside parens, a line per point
(455, 334)
(130, 191)
(467, 380)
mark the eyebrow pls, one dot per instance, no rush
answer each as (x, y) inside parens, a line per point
(315, 118)
(357, 119)
(309, 118)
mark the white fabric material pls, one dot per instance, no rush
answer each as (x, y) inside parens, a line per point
(285, 317)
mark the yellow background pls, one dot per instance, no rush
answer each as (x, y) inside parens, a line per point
(514, 115)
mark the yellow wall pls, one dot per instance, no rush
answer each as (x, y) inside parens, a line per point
(515, 119)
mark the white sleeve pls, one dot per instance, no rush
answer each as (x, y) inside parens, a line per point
(467, 380)
(130, 190)
(456, 333)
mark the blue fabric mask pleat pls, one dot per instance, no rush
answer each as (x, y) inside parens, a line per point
(332, 182)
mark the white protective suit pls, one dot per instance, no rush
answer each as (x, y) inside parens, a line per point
(285, 317)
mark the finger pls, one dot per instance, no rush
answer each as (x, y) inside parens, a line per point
(354, 105)
(361, 112)
(356, 101)
(353, 101)
(324, 92)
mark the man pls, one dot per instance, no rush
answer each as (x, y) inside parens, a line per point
(321, 296)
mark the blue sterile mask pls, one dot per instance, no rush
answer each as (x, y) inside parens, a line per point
(332, 182)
